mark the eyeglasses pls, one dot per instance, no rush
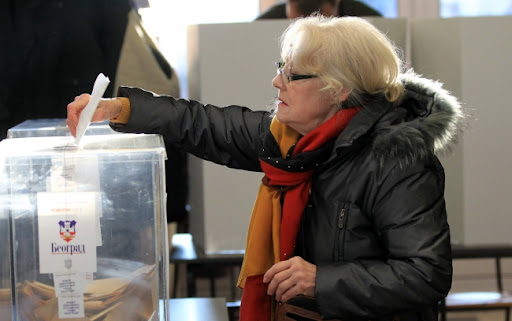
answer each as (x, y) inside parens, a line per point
(292, 76)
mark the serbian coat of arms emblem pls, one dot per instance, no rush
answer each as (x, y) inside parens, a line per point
(67, 230)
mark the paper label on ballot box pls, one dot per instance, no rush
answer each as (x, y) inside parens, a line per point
(71, 307)
(69, 283)
(73, 174)
(67, 231)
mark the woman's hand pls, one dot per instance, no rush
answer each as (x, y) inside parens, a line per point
(107, 108)
(290, 278)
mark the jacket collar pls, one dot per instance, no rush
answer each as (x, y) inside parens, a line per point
(426, 119)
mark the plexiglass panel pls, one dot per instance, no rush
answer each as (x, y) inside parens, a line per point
(5, 263)
(54, 127)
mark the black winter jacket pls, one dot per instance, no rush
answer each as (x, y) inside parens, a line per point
(375, 225)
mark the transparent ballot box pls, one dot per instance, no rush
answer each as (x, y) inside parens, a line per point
(88, 225)
(54, 127)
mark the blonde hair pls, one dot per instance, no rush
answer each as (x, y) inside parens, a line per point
(345, 53)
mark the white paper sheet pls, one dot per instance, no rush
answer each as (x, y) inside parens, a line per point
(71, 307)
(69, 283)
(67, 231)
(100, 85)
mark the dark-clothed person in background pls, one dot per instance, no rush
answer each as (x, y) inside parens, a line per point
(351, 208)
(45, 64)
(301, 8)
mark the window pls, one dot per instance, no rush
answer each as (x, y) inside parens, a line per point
(388, 8)
(454, 8)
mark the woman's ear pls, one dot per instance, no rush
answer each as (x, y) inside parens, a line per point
(343, 95)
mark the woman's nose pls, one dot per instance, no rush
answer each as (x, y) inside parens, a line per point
(277, 81)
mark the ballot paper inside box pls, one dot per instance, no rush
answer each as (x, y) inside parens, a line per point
(88, 227)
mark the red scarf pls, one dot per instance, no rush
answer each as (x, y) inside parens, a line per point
(273, 229)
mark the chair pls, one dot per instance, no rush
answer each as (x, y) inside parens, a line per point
(201, 265)
(479, 300)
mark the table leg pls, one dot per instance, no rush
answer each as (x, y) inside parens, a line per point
(191, 282)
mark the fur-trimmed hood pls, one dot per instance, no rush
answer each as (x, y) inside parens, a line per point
(427, 118)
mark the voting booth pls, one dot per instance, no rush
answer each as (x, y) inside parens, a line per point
(471, 56)
(88, 228)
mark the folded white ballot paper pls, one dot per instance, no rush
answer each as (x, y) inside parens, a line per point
(100, 85)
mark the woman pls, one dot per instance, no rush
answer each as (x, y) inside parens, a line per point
(351, 208)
